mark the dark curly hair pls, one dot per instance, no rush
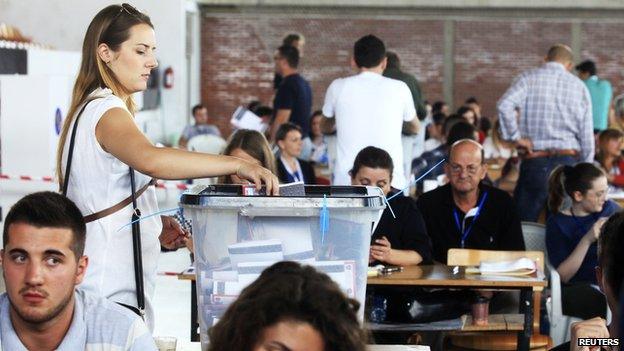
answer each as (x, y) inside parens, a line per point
(288, 291)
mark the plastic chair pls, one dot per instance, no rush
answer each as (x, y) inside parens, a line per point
(206, 143)
(498, 340)
(535, 239)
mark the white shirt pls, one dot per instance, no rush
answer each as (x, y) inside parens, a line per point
(491, 150)
(432, 143)
(97, 181)
(370, 110)
(97, 324)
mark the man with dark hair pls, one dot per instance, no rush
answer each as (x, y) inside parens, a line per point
(465, 213)
(201, 126)
(368, 109)
(555, 126)
(393, 70)
(440, 107)
(293, 39)
(601, 93)
(293, 99)
(42, 263)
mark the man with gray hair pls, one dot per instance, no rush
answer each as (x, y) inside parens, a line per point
(555, 126)
(465, 213)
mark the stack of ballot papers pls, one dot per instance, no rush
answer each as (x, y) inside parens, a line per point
(280, 241)
(256, 251)
(521, 266)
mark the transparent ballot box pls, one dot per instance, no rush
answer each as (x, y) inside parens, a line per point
(237, 236)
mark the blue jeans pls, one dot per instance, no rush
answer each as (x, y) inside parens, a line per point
(532, 188)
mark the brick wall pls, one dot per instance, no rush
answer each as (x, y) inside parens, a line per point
(604, 43)
(237, 51)
(488, 55)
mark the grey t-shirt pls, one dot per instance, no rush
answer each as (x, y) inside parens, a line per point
(97, 324)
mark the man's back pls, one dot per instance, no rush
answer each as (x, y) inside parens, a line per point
(97, 324)
(555, 110)
(295, 94)
(370, 110)
(414, 87)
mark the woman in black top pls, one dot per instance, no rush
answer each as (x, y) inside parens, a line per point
(290, 168)
(401, 241)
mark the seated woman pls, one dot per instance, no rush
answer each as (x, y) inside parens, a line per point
(609, 156)
(289, 167)
(319, 146)
(401, 241)
(571, 234)
(290, 307)
(252, 146)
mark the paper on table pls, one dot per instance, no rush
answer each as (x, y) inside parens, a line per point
(521, 266)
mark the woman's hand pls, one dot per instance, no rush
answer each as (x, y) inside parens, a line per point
(172, 236)
(382, 250)
(258, 175)
(594, 233)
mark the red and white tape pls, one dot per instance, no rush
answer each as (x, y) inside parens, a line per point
(159, 184)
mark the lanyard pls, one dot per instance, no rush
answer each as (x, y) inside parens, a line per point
(295, 175)
(460, 228)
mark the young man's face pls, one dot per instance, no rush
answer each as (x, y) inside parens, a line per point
(40, 271)
(201, 116)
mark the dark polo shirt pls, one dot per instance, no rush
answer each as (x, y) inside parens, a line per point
(496, 228)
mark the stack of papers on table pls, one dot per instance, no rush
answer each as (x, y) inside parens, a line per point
(521, 266)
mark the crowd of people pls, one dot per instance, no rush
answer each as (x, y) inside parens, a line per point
(556, 142)
(555, 137)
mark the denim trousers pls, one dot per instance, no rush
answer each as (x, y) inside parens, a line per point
(532, 188)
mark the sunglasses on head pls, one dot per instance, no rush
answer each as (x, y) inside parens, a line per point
(129, 9)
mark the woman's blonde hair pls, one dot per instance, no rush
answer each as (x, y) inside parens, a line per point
(111, 26)
(254, 144)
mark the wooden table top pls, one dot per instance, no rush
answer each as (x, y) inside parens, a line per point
(448, 276)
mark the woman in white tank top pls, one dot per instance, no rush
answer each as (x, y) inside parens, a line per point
(117, 57)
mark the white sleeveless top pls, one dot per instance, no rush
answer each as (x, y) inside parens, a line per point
(97, 181)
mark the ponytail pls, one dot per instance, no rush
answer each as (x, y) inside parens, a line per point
(556, 190)
(565, 180)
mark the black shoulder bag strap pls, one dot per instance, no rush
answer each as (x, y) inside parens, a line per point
(70, 153)
(136, 249)
(136, 225)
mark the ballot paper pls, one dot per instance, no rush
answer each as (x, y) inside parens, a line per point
(226, 276)
(227, 288)
(293, 233)
(341, 272)
(521, 266)
(250, 271)
(292, 189)
(256, 251)
(245, 119)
